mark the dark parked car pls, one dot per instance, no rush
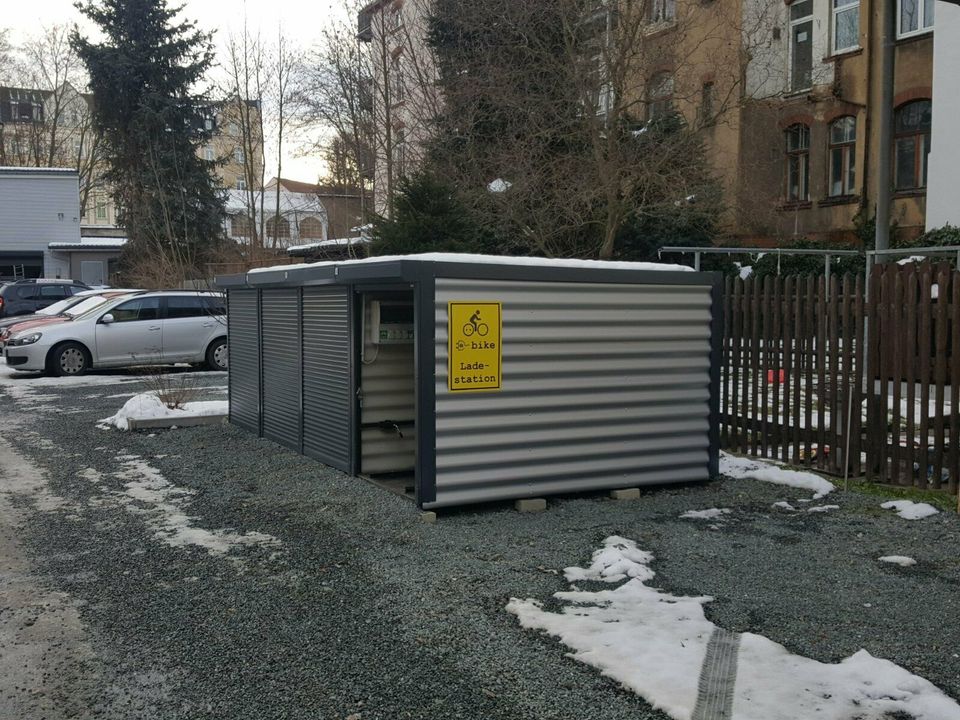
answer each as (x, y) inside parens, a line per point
(27, 296)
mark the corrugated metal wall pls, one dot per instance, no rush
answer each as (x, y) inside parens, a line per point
(280, 323)
(388, 388)
(603, 386)
(243, 331)
(327, 395)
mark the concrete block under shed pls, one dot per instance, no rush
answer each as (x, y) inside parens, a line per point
(530, 505)
(625, 494)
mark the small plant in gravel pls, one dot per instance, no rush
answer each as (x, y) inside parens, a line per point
(175, 389)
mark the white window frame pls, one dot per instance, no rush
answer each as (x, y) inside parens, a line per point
(839, 10)
(792, 45)
(922, 27)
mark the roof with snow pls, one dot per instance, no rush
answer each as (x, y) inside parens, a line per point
(326, 244)
(412, 266)
(90, 243)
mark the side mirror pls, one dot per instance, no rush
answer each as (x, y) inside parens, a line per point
(107, 319)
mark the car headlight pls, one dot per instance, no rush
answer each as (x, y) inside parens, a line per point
(26, 340)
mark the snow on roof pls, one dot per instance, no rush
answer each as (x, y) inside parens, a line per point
(90, 243)
(291, 203)
(335, 242)
(491, 260)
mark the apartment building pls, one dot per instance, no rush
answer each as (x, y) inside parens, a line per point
(53, 128)
(942, 206)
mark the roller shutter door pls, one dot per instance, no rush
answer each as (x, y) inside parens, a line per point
(280, 328)
(243, 330)
(327, 394)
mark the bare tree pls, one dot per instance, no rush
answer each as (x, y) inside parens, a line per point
(246, 66)
(54, 127)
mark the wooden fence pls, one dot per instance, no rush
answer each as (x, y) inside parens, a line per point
(913, 365)
(829, 375)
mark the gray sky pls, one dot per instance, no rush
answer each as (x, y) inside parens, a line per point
(301, 20)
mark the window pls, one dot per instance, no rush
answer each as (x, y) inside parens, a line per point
(238, 156)
(396, 79)
(706, 102)
(233, 129)
(663, 10)
(843, 146)
(914, 17)
(179, 306)
(798, 163)
(801, 44)
(399, 152)
(282, 228)
(139, 309)
(846, 25)
(52, 292)
(208, 124)
(214, 305)
(208, 153)
(311, 228)
(659, 95)
(240, 226)
(241, 184)
(101, 208)
(27, 292)
(911, 145)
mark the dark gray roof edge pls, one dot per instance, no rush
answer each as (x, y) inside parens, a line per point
(8, 170)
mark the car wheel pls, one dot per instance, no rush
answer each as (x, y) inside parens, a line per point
(69, 359)
(217, 355)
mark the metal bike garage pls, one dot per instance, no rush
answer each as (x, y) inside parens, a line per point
(467, 378)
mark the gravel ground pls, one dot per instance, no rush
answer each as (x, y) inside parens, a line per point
(362, 610)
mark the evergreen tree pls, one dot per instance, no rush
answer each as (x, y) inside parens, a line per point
(428, 217)
(144, 77)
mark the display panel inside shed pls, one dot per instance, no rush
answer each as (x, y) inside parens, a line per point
(462, 379)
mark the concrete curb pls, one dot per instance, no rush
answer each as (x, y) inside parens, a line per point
(169, 422)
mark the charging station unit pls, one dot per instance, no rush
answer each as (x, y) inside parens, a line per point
(461, 379)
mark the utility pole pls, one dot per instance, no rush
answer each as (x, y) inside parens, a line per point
(884, 174)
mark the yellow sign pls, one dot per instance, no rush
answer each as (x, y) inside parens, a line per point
(474, 346)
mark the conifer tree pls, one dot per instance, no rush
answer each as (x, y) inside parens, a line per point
(144, 76)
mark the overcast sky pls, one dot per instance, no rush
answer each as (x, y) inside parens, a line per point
(301, 20)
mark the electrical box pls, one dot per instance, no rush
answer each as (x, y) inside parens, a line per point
(391, 322)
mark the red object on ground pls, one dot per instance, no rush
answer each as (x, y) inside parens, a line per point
(783, 376)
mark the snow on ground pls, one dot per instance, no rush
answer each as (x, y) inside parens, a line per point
(901, 560)
(164, 508)
(737, 467)
(783, 504)
(147, 405)
(30, 387)
(654, 644)
(709, 514)
(909, 510)
(823, 508)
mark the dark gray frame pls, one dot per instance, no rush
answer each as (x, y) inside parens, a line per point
(421, 276)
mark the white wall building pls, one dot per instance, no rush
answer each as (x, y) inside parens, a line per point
(944, 171)
(303, 217)
(38, 206)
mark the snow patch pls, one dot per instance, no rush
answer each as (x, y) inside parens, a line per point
(708, 514)
(901, 560)
(742, 468)
(823, 508)
(148, 406)
(163, 506)
(654, 643)
(784, 505)
(909, 510)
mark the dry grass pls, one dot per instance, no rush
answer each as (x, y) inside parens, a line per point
(175, 389)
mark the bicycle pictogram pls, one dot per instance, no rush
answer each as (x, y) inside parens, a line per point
(474, 325)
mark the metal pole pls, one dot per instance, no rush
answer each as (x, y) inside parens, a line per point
(884, 175)
(696, 261)
(826, 275)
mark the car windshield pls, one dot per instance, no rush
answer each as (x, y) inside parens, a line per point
(57, 307)
(98, 307)
(88, 303)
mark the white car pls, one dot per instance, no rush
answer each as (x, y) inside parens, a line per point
(152, 328)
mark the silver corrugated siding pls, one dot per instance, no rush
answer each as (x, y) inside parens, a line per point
(327, 395)
(280, 322)
(604, 386)
(243, 333)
